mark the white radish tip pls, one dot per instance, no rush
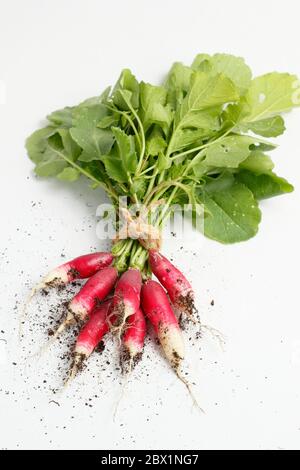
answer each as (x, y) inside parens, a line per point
(185, 303)
(55, 278)
(170, 338)
(77, 310)
(129, 358)
(77, 366)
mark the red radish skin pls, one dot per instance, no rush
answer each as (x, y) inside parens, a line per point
(178, 287)
(90, 336)
(78, 268)
(133, 340)
(126, 299)
(95, 290)
(157, 308)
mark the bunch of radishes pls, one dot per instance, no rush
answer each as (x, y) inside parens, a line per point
(119, 303)
(196, 142)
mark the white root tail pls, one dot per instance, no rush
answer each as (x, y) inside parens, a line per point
(67, 322)
(33, 292)
(189, 388)
(123, 389)
(216, 334)
(57, 277)
(76, 367)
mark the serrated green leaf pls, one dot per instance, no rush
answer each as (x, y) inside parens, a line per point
(87, 135)
(207, 120)
(114, 168)
(87, 157)
(231, 66)
(177, 84)
(264, 186)
(163, 162)
(207, 92)
(51, 166)
(62, 117)
(257, 162)
(95, 168)
(271, 127)
(234, 114)
(37, 143)
(222, 182)
(202, 63)
(108, 121)
(175, 171)
(89, 116)
(200, 109)
(263, 146)
(233, 214)
(72, 149)
(270, 95)
(52, 162)
(229, 152)
(155, 143)
(179, 77)
(126, 149)
(238, 116)
(153, 108)
(126, 83)
(186, 137)
(139, 188)
(69, 174)
(95, 142)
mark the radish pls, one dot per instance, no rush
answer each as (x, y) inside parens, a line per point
(93, 292)
(90, 336)
(156, 306)
(132, 349)
(78, 268)
(126, 299)
(178, 287)
(133, 340)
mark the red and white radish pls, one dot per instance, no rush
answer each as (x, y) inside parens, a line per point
(126, 299)
(93, 292)
(157, 308)
(133, 340)
(178, 287)
(90, 336)
(78, 268)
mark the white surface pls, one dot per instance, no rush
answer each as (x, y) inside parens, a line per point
(58, 52)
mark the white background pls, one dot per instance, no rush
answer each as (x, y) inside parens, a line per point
(56, 53)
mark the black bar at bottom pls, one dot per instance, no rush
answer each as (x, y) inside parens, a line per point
(126, 458)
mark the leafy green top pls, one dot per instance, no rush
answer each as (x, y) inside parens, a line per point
(199, 138)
